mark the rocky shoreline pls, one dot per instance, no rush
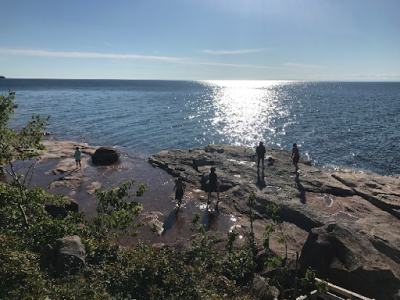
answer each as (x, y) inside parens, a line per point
(344, 225)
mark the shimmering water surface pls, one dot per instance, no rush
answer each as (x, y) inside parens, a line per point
(336, 124)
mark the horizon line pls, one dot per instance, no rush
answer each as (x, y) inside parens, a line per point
(144, 79)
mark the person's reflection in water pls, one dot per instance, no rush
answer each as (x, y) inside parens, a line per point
(210, 219)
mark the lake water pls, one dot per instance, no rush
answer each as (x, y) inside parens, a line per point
(351, 125)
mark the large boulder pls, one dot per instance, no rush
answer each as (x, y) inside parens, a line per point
(67, 257)
(69, 254)
(106, 155)
(345, 256)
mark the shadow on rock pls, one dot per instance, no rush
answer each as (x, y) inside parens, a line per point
(300, 187)
(261, 184)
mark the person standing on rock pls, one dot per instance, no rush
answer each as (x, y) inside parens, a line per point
(260, 150)
(213, 184)
(179, 189)
(77, 156)
(295, 157)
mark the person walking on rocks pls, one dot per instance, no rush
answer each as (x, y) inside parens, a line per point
(77, 156)
(295, 157)
(179, 189)
(213, 184)
(260, 150)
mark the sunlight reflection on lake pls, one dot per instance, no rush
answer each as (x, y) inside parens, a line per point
(245, 110)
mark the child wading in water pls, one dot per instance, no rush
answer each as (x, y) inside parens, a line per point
(179, 189)
(77, 156)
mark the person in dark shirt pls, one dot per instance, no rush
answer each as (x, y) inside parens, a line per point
(213, 184)
(295, 157)
(260, 150)
(179, 189)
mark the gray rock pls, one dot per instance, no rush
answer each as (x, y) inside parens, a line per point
(345, 256)
(69, 255)
(382, 191)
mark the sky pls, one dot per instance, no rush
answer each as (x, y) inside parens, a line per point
(312, 40)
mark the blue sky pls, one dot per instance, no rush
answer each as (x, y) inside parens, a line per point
(201, 39)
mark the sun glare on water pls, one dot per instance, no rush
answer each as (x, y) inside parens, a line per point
(246, 112)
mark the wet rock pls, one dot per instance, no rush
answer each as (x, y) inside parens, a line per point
(73, 180)
(91, 189)
(106, 155)
(63, 153)
(153, 222)
(62, 149)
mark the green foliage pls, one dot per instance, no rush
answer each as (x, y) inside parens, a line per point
(43, 229)
(22, 145)
(239, 266)
(165, 274)
(202, 248)
(19, 271)
(115, 214)
(309, 283)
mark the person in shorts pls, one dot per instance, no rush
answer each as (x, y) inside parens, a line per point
(77, 156)
(212, 184)
(179, 189)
